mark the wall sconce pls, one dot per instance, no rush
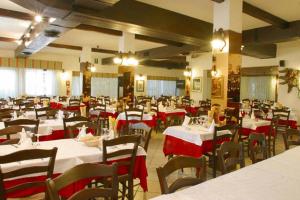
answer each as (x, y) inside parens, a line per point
(218, 41)
(215, 72)
(187, 72)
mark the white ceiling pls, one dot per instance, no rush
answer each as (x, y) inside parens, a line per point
(6, 4)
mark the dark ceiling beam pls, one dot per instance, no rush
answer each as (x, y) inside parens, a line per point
(144, 21)
(79, 48)
(271, 34)
(157, 40)
(218, 1)
(264, 16)
(16, 14)
(165, 64)
(262, 51)
(86, 27)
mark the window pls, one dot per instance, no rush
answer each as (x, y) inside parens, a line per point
(258, 87)
(8, 82)
(40, 82)
(161, 87)
(104, 86)
(77, 85)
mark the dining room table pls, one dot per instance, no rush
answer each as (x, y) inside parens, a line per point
(276, 178)
(189, 140)
(164, 112)
(71, 152)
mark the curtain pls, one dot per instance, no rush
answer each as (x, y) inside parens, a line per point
(104, 86)
(161, 87)
(8, 82)
(77, 85)
(258, 87)
(41, 82)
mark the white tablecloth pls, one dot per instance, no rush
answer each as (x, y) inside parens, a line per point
(170, 111)
(277, 178)
(108, 110)
(254, 123)
(195, 134)
(70, 153)
(122, 116)
(46, 126)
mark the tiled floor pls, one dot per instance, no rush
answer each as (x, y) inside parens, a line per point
(156, 158)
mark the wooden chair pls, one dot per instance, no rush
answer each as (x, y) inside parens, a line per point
(272, 136)
(25, 155)
(283, 118)
(74, 102)
(229, 115)
(144, 131)
(133, 114)
(179, 163)
(6, 114)
(44, 98)
(230, 154)
(257, 147)
(45, 112)
(216, 142)
(89, 125)
(12, 131)
(26, 106)
(34, 124)
(288, 138)
(81, 172)
(125, 179)
(72, 120)
(62, 98)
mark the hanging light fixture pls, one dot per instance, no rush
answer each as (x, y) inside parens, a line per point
(126, 59)
(218, 42)
(187, 72)
(215, 72)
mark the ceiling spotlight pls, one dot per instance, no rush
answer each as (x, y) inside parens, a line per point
(93, 68)
(51, 19)
(38, 18)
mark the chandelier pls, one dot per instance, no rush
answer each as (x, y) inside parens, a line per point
(126, 59)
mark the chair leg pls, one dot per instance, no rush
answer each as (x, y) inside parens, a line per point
(214, 167)
(130, 189)
(123, 190)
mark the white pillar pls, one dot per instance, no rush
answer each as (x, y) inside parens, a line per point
(86, 55)
(126, 43)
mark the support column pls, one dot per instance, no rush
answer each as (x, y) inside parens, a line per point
(226, 85)
(85, 65)
(126, 44)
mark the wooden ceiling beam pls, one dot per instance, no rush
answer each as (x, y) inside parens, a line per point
(79, 48)
(262, 51)
(264, 15)
(218, 1)
(5, 39)
(164, 64)
(86, 27)
(16, 15)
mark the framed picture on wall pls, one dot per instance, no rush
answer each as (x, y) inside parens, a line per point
(217, 88)
(197, 84)
(140, 84)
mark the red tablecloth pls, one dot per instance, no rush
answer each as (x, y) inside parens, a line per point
(163, 115)
(176, 146)
(140, 172)
(150, 123)
(59, 106)
(262, 129)
(192, 110)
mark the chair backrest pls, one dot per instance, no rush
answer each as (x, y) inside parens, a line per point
(290, 139)
(144, 131)
(127, 152)
(41, 112)
(25, 155)
(218, 138)
(26, 106)
(17, 102)
(44, 99)
(257, 147)
(10, 131)
(6, 114)
(229, 155)
(34, 124)
(134, 114)
(72, 120)
(62, 98)
(75, 128)
(178, 163)
(229, 114)
(82, 172)
(283, 117)
(74, 102)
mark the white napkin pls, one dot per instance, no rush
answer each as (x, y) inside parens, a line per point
(161, 108)
(252, 115)
(186, 121)
(60, 114)
(211, 129)
(15, 115)
(25, 139)
(82, 132)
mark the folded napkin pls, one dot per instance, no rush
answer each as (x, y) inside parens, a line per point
(60, 114)
(186, 121)
(211, 129)
(25, 139)
(82, 132)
